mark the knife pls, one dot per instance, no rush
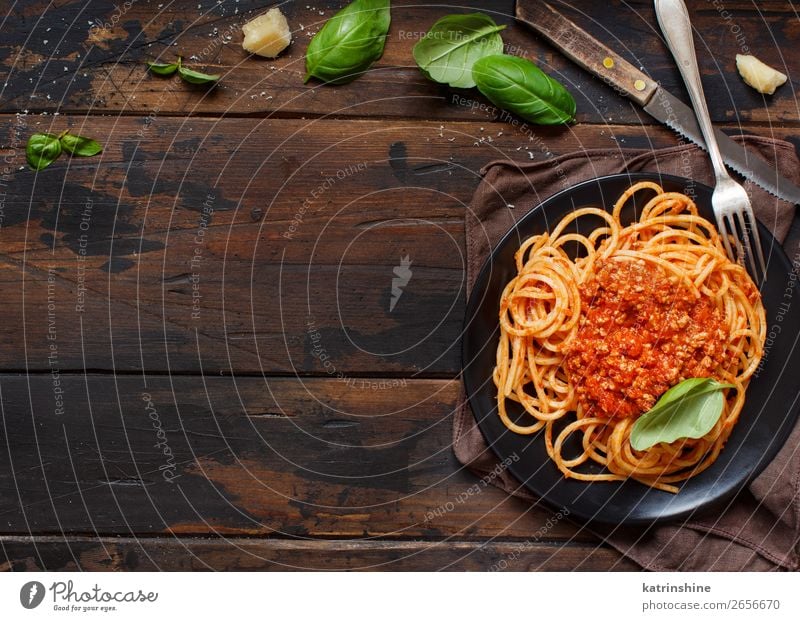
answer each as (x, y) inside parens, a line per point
(589, 53)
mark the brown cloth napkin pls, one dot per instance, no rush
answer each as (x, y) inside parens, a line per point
(760, 529)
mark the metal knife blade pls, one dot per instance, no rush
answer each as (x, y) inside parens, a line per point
(589, 53)
(675, 114)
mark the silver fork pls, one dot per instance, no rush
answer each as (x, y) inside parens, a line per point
(731, 204)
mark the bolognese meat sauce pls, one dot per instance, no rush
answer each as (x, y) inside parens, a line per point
(641, 333)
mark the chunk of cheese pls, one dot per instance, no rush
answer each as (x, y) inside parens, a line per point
(267, 35)
(761, 77)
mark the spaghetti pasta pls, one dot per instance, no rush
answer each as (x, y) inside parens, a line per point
(588, 344)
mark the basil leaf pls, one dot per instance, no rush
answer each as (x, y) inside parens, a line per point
(349, 42)
(450, 48)
(163, 68)
(79, 145)
(517, 85)
(195, 77)
(689, 409)
(42, 150)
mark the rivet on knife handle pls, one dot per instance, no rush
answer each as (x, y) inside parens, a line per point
(585, 50)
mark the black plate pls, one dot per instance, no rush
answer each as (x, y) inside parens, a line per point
(769, 413)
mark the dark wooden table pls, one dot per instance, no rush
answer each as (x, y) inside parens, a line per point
(200, 365)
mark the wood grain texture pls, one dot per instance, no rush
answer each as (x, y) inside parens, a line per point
(51, 58)
(236, 554)
(245, 245)
(361, 458)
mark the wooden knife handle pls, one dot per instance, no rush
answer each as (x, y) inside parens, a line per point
(586, 51)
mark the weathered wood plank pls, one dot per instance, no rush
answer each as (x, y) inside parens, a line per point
(310, 220)
(84, 58)
(237, 554)
(349, 458)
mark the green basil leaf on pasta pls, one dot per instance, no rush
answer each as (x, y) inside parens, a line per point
(689, 409)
